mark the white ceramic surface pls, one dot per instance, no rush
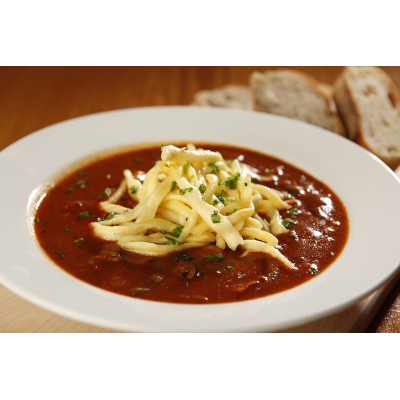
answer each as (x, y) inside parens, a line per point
(369, 190)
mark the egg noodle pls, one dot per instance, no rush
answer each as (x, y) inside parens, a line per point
(190, 198)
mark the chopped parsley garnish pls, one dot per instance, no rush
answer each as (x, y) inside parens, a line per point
(172, 241)
(294, 235)
(83, 214)
(183, 191)
(314, 271)
(110, 216)
(215, 217)
(67, 229)
(177, 231)
(229, 267)
(173, 186)
(36, 220)
(134, 189)
(79, 203)
(240, 275)
(214, 168)
(60, 253)
(80, 240)
(217, 258)
(107, 192)
(202, 188)
(294, 212)
(81, 183)
(231, 182)
(186, 167)
(221, 196)
(288, 223)
(186, 257)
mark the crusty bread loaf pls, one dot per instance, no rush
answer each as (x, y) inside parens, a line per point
(369, 104)
(295, 95)
(232, 96)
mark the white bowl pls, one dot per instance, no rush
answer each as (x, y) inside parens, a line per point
(369, 190)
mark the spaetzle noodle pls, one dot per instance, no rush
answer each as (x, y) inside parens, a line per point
(190, 198)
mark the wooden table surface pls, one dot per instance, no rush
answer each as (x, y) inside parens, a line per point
(34, 97)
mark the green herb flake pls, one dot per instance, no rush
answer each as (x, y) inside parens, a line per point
(67, 229)
(177, 231)
(313, 270)
(215, 217)
(214, 168)
(202, 188)
(294, 212)
(221, 196)
(81, 183)
(79, 203)
(288, 223)
(240, 275)
(110, 216)
(80, 240)
(231, 182)
(133, 189)
(229, 267)
(183, 191)
(186, 167)
(187, 257)
(294, 235)
(36, 220)
(172, 241)
(60, 253)
(83, 214)
(107, 192)
(219, 257)
(173, 186)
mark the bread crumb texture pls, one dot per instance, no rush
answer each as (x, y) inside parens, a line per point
(295, 95)
(368, 101)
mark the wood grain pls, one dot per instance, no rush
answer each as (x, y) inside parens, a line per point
(32, 98)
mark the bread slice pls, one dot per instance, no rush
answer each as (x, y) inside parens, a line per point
(232, 96)
(369, 104)
(294, 94)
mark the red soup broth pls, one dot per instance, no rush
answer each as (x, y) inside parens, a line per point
(62, 228)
